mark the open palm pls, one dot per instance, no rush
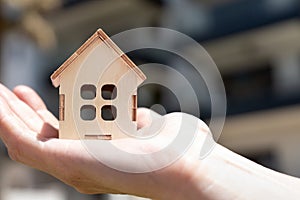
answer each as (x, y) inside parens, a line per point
(30, 133)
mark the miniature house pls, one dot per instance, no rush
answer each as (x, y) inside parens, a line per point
(97, 91)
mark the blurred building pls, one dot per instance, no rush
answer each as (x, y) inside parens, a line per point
(255, 44)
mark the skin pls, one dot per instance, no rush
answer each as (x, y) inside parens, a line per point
(30, 133)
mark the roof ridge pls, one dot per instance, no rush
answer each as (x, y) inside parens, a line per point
(99, 34)
(133, 66)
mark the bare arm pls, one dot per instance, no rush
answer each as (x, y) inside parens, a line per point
(231, 176)
(29, 131)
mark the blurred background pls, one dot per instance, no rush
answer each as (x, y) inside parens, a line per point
(255, 44)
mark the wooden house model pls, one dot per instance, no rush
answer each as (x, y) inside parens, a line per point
(97, 91)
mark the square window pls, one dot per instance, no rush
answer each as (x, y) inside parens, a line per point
(88, 92)
(88, 112)
(108, 113)
(109, 92)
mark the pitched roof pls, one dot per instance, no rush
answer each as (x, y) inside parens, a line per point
(99, 34)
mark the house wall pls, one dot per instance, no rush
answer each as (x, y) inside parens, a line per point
(67, 129)
(98, 65)
(125, 80)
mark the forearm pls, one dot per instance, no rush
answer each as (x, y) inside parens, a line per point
(222, 175)
(230, 176)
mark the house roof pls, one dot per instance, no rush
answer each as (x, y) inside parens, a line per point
(98, 35)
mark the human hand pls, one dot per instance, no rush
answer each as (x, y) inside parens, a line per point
(30, 133)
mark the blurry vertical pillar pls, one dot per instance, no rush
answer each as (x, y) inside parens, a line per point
(20, 59)
(2, 28)
(286, 74)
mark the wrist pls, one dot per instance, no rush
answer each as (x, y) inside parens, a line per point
(181, 180)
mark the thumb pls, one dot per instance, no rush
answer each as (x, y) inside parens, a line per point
(145, 117)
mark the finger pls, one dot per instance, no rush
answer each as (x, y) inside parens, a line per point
(50, 127)
(20, 141)
(11, 127)
(145, 117)
(23, 111)
(32, 99)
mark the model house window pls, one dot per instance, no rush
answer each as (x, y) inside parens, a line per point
(88, 92)
(109, 92)
(88, 112)
(108, 112)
